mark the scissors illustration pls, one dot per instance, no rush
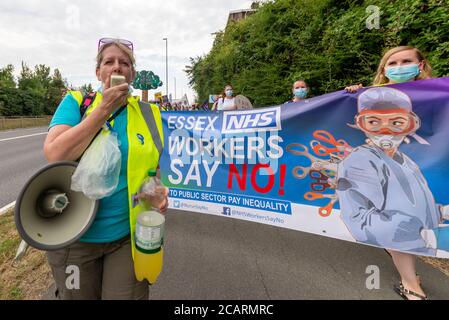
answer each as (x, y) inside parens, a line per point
(326, 210)
(341, 147)
(322, 181)
(299, 171)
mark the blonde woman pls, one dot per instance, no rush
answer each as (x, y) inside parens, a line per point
(399, 65)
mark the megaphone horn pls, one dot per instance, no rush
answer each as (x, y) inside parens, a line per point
(49, 215)
(51, 203)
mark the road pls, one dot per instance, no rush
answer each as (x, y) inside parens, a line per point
(211, 257)
(21, 156)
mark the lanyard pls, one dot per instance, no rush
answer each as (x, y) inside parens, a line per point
(116, 114)
(108, 124)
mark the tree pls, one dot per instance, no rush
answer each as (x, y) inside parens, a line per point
(26, 80)
(7, 77)
(325, 42)
(36, 93)
(56, 90)
(11, 102)
(42, 75)
(146, 80)
(86, 88)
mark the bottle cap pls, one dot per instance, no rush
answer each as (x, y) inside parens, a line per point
(152, 173)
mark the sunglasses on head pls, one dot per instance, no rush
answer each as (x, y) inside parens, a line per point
(126, 43)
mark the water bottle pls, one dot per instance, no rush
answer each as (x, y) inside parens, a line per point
(149, 234)
(152, 199)
(148, 254)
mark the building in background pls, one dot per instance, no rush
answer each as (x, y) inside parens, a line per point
(238, 15)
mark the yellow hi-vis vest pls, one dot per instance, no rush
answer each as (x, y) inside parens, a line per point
(143, 119)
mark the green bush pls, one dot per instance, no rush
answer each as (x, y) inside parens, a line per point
(35, 93)
(325, 42)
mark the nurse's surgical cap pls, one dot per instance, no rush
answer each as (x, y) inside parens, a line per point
(382, 98)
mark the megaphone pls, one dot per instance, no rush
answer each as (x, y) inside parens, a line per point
(49, 215)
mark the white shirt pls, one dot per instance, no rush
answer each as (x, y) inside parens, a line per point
(226, 104)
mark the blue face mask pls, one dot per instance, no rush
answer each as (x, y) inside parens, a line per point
(229, 93)
(301, 93)
(402, 73)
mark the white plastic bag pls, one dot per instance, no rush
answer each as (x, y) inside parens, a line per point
(98, 171)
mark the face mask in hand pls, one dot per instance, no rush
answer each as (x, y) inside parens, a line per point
(301, 93)
(402, 73)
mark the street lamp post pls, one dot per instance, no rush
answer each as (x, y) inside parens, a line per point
(166, 65)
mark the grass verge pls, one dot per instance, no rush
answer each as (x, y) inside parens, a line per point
(440, 264)
(27, 279)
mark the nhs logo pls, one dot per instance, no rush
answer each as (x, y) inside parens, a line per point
(267, 119)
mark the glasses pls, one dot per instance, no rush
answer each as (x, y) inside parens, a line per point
(126, 43)
(388, 123)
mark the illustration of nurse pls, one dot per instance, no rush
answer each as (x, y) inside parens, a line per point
(384, 198)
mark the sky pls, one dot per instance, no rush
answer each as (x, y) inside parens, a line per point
(64, 34)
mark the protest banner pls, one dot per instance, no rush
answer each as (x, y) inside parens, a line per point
(368, 167)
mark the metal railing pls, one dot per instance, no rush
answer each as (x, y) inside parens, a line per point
(7, 123)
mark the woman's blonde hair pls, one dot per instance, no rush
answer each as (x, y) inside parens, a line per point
(380, 77)
(122, 47)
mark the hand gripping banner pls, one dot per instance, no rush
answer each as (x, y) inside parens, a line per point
(369, 167)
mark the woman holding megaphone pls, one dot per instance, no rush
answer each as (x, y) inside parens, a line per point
(104, 253)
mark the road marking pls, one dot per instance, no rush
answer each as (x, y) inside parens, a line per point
(21, 137)
(21, 129)
(6, 208)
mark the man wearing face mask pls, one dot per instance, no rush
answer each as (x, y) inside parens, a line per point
(227, 102)
(384, 198)
(300, 91)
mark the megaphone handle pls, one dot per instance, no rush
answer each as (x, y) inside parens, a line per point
(21, 251)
